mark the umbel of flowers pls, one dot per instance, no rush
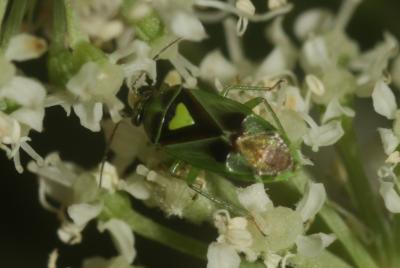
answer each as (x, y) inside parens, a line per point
(96, 49)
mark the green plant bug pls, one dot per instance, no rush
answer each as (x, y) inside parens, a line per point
(211, 132)
(214, 133)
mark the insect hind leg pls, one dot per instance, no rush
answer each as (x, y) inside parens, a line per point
(191, 177)
(227, 89)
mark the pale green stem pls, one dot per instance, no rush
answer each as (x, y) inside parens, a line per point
(75, 33)
(345, 13)
(59, 24)
(3, 7)
(118, 206)
(13, 22)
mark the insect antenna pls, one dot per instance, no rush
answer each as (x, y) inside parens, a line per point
(114, 130)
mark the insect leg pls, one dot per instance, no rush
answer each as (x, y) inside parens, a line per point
(107, 151)
(190, 175)
(226, 90)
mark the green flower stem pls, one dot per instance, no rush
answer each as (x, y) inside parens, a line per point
(14, 21)
(3, 7)
(118, 206)
(360, 186)
(59, 25)
(75, 34)
(350, 242)
(338, 226)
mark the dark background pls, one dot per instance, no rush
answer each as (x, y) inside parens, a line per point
(28, 232)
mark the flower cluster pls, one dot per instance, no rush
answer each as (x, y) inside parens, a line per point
(100, 54)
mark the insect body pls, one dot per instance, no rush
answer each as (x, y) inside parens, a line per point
(214, 133)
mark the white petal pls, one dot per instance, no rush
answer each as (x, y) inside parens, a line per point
(25, 91)
(315, 85)
(311, 22)
(30, 117)
(254, 198)
(393, 158)
(82, 213)
(215, 65)
(275, 4)
(25, 47)
(313, 200)
(389, 140)
(221, 255)
(335, 109)
(324, 135)
(122, 236)
(109, 177)
(136, 188)
(316, 52)
(281, 226)
(70, 233)
(272, 260)
(390, 196)
(89, 114)
(384, 100)
(187, 26)
(313, 245)
(246, 6)
(7, 70)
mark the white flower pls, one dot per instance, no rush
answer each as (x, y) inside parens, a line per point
(187, 26)
(312, 22)
(389, 140)
(272, 260)
(315, 53)
(94, 85)
(254, 198)
(313, 245)
(313, 200)
(97, 18)
(12, 139)
(384, 100)
(109, 177)
(136, 59)
(82, 213)
(335, 110)
(221, 255)
(30, 96)
(25, 47)
(233, 231)
(390, 196)
(122, 237)
(372, 65)
(323, 135)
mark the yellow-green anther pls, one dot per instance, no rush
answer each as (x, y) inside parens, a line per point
(182, 118)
